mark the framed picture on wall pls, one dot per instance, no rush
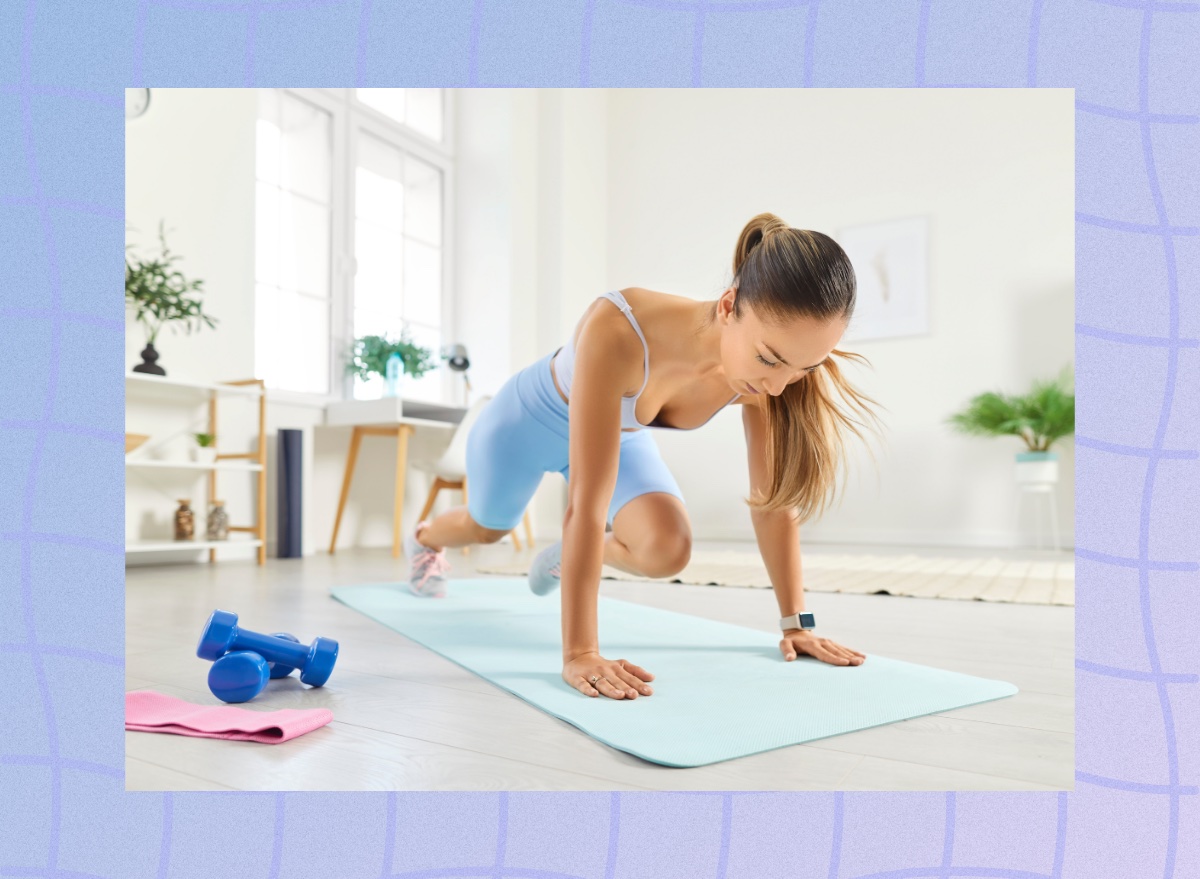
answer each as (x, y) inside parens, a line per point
(890, 262)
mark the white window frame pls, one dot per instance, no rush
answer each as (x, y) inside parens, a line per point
(347, 115)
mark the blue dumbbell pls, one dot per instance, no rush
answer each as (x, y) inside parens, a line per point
(221, 635)
(278, 669)
(238, 676)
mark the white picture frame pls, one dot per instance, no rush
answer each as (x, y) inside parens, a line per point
(891, 267)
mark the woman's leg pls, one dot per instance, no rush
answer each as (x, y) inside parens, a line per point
(651, 533)
(455, 527)
(509, 450)
(651, 536)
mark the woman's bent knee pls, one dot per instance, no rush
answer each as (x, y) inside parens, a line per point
(488, 535)
(668, 556)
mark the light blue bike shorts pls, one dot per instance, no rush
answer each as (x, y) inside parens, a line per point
(521, 434)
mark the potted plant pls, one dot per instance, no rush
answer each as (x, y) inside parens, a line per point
(370, 355)
(157, 292)
(204, 451)
(1039, 418)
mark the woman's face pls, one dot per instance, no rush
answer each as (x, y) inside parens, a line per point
(766, 357)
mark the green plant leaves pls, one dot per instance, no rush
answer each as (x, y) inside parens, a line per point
(371, 355)
(157, 293)
(1045, 414)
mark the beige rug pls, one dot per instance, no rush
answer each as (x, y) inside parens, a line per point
(967, 579)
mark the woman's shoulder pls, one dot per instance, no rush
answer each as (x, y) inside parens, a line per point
(606, 330)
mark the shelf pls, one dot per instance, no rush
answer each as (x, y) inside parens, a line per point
(195, 465)
(186, 545)
(138, 381)
(161, 392)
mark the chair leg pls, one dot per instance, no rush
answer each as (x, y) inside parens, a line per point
(355, 441)
(429, 501)
(466, 549)
(402, 434)
(528, 530)
(516, 540)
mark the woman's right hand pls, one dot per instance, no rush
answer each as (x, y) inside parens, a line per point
(615, 678)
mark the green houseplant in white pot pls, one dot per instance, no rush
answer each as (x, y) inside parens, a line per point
(370, 355)
(204, 452)
(1039, 418)
(158, 294)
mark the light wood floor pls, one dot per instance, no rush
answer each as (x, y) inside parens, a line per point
(408, 719)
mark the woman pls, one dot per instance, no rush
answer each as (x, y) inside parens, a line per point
(768, 341)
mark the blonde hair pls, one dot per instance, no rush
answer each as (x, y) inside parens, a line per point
(783, 273)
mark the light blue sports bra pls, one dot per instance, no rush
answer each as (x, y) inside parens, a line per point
(564, 369)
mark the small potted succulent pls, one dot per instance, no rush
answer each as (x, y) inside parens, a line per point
(204, 452)
(1039, 418)
(371, 355)
(158, 294)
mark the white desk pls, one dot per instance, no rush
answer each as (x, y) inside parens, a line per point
(387, 416)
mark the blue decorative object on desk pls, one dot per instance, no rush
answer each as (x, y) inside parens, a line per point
(395, 368)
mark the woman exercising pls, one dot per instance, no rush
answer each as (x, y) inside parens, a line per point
(768, 341)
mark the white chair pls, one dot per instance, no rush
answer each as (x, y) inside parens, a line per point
(450, 470)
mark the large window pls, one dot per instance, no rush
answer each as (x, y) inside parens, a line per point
(352, 227)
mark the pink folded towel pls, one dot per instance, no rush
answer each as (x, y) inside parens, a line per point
(148, 711)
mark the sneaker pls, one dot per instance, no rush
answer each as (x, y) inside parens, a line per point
(546, 570)
(429, 567)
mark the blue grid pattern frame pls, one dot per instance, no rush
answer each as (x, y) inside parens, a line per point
(1134, 811)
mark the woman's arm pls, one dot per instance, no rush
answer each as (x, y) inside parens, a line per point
(604, 366)
(779, 542)
(778, 537)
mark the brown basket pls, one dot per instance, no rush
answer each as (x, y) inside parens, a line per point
(133, 440)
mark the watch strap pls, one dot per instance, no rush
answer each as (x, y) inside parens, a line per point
(801, 620)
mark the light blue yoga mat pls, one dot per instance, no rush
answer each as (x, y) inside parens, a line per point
(720, 691)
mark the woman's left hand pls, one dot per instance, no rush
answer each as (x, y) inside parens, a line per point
(804, 641)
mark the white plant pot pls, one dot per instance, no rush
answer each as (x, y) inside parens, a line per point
(204, 455)
(1037, 468)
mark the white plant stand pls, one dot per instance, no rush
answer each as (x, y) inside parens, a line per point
(1039, 480)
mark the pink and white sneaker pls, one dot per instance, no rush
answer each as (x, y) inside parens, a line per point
(429, 566)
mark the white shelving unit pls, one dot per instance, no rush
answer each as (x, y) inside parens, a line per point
(147, 387)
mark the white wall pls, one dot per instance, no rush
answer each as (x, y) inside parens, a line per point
(994, 171)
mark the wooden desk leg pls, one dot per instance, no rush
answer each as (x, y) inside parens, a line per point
(402, 434)
(467, 547)
(355, 440)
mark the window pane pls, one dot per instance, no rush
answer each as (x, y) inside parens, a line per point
(429, 386)
(266, 329)
(425, 111)
(379, 183)
(389, 102)
(307, 135)
(266, 233)
(423, 202)
(419, 109)
(373, 322)
(378, 199)
(266, 151)
(422, 283)
(306, 342)
(293, 242)
(372, 388)
(377, 286)
(304, 246)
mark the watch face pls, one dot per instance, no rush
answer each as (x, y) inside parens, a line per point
(807, 621)
(136, 102)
